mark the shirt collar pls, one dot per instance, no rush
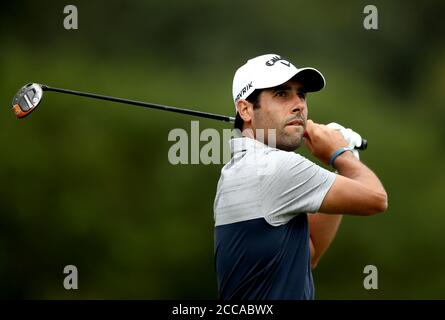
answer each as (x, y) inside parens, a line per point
(244, 144)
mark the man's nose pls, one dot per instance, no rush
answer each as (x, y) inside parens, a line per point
(298, 105)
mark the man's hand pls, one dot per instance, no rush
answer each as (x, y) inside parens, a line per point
(352, 138)
(323, 141)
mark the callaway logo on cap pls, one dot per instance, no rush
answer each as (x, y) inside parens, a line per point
(271, 70)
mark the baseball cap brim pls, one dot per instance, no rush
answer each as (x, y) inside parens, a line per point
(311, 78)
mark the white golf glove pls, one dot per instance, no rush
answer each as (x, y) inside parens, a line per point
(352, 138)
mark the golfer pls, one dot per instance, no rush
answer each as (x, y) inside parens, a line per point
(276, 212)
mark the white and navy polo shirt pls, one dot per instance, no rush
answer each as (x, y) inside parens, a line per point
(261, 228)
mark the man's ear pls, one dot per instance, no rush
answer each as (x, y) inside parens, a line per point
(245, 110)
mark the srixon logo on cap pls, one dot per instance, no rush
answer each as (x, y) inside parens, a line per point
(243, 90)
(275, 59)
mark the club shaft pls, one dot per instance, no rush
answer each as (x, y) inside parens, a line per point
(142, 104)
(201, 114)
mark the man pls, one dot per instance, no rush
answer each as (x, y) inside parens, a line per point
(276, 212)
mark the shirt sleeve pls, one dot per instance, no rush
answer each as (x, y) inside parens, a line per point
(295, 185)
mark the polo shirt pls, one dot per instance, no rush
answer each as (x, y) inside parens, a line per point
(261, 234)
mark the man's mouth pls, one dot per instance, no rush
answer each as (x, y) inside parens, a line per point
(296, 122)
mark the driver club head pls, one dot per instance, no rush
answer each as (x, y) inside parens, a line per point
(27, 99)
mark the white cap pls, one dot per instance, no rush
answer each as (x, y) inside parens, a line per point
(271, 70)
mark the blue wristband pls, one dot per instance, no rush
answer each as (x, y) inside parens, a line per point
(337, 153)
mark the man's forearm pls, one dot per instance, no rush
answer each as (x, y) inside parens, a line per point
(347, 165)
(323, 228)
(356, 189)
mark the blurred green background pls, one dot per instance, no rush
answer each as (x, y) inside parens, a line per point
(89, 183)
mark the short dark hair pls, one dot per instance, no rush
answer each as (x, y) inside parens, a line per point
(253, 98)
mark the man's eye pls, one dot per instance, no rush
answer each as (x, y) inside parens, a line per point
(302, 95)
(280, 93)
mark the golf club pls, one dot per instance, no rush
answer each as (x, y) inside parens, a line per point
(29, 97)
